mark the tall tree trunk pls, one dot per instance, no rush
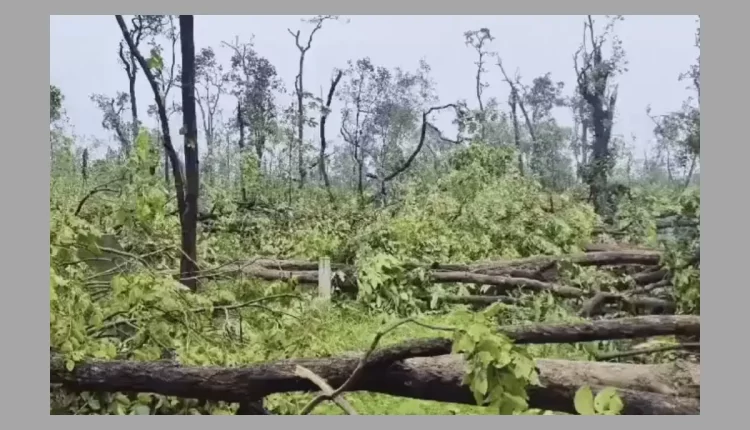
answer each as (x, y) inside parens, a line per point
(166, 165)
(516, 130)
(323, 143)
(188, 265)
(241, 125)
(133, 103)
(301, 123)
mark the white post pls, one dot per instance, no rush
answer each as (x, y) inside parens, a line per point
(324, 278)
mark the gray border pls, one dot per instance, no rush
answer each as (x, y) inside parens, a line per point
(29, 98)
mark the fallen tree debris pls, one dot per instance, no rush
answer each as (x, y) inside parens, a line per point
(536, 274)
(595, 305)
(668, 389)
(691, 346)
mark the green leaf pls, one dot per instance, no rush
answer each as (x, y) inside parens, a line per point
(141, 409)
(94, 404)
(616, 405)
(584, 401)
(70, 365)
(463, 343)
(603, 400)
(155, 61)
(479, 383)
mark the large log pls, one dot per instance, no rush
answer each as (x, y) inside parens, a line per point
(645, 390)
(540, 333)
(621, 328)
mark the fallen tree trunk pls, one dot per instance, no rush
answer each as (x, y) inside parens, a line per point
(599, 258)
(534, 273)
(478, 301)
(604, 258)
(498, 285)
(595, 305)
(504, 283)
(645, 390)
(621, 328)
(541, 333)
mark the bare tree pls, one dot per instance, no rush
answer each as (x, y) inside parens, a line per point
(323, 117)
(299, 88)
(210, 81)
(477, 39)
(515, 101)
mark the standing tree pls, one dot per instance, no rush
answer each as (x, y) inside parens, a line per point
(477, 39)
(112, 117)
(188, 217)
(547, 160)
(143, 26)
(164, 73)
(678, 132)
(210, 80)
(594, 78)
(515, 100)
(55, 103)
(323, 117)
(299, 89)
(188, 264)
(254, 83)
(579, 142)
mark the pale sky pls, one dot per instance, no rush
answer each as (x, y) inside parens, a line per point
(83, 58)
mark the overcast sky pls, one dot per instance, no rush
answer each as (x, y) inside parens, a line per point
(83, 57)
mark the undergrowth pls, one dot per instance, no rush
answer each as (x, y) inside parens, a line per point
(129, 306)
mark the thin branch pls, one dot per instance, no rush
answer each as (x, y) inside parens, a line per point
(358, 371)
(308, 374)
(641, 351)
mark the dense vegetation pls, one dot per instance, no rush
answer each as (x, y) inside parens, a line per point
(388, 206)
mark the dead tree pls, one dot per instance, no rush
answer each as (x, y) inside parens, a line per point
(299, 89)
(477, 40)
(323, 117)
(517, 101)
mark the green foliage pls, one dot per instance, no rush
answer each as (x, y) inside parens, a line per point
(499, 372)
(55, 103)
(155, 61)
(606, 402)
(481, 209)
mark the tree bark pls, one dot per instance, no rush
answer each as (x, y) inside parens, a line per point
(188, 261)
(669, 389)
(323, 143)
